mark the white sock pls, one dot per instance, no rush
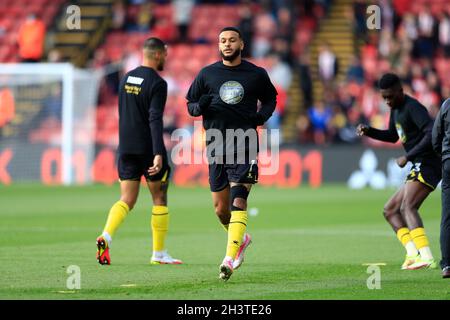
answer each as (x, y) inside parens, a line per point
(425, 253)
(107, 237)
(411, 249)
(158, 254)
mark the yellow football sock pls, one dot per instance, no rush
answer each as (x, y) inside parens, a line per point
(117, 214)
(160, 225)
(419, 238)
(236, 230)
(403, 236)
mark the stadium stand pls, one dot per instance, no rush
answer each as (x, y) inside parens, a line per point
(310, 39)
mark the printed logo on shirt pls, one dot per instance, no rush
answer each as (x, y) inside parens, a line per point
(132, 89)
(134, 80)
(231, 92)
(400, 132)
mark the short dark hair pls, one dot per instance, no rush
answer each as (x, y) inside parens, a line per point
(389, 80)
(232, 29)
(154, 44)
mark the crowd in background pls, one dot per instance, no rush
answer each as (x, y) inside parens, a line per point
(412, 44)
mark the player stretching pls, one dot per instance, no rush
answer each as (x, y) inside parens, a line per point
(226, 95)
(142, 97)
(409, 121)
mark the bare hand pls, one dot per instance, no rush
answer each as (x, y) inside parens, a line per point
(401, 161)
(362, 129)
(157, 165)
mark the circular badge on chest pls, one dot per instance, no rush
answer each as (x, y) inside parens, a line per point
(231, 92)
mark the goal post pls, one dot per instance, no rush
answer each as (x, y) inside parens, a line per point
(50, 133)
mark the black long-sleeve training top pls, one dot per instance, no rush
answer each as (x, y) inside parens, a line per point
(142, 98)
(235, 91)
(441, 131)
(412, 124)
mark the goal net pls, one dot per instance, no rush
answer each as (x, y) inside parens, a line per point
(47, 123)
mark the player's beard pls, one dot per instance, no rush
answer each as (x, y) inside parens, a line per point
(160, 66)
(231, 57)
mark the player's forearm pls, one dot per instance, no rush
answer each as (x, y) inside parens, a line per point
(267, 108)
(194, 109)
(422, 146)
(382, 135)
(436, 135)
(156, 131)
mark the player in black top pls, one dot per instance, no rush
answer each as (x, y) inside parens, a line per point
(141, 151)
(226, 94)
(411, 123)
(441, 145)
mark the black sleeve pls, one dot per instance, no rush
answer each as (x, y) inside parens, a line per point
(420, 116)
(196, 90)
(423, 144)
(389, 135)
(156, 110)
(194, 109)
(436, 134)
(268, 98)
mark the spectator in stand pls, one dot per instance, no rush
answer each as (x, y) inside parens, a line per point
(31, 39)
(418, 82)
(279, 72)
(265, 27)
(303, 69)
(182, 15)
(131, 60)
(303, 126)
(425, 43)
(347, 133)
(320, 116)
(246, 27)
(344, 99)
(355, 70)
(282, 48)
(164, 30)
(285, 25)
(328, 66)
(444, 33)
(387, 15)
(434, 84)
(118, 15)
(359, 19)
(145, 19)
(54, 55)
(409, 27)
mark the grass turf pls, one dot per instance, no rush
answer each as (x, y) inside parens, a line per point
(307, 244)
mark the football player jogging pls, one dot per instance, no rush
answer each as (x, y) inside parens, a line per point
(141, 151)
(226, 94)
(410, 122)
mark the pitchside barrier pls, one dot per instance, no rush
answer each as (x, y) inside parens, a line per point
(356, 166)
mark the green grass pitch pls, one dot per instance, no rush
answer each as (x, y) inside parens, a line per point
(307, 244)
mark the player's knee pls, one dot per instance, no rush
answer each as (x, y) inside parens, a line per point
(221, 209)
(130, 201)
(159, 199)
(239, 196)
(222, 212)
(388, 211)
(407, 206)
(239, 204)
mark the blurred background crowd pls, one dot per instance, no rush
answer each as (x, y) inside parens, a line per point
(322, 55)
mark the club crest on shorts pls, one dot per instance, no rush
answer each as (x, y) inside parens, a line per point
(231, 92)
